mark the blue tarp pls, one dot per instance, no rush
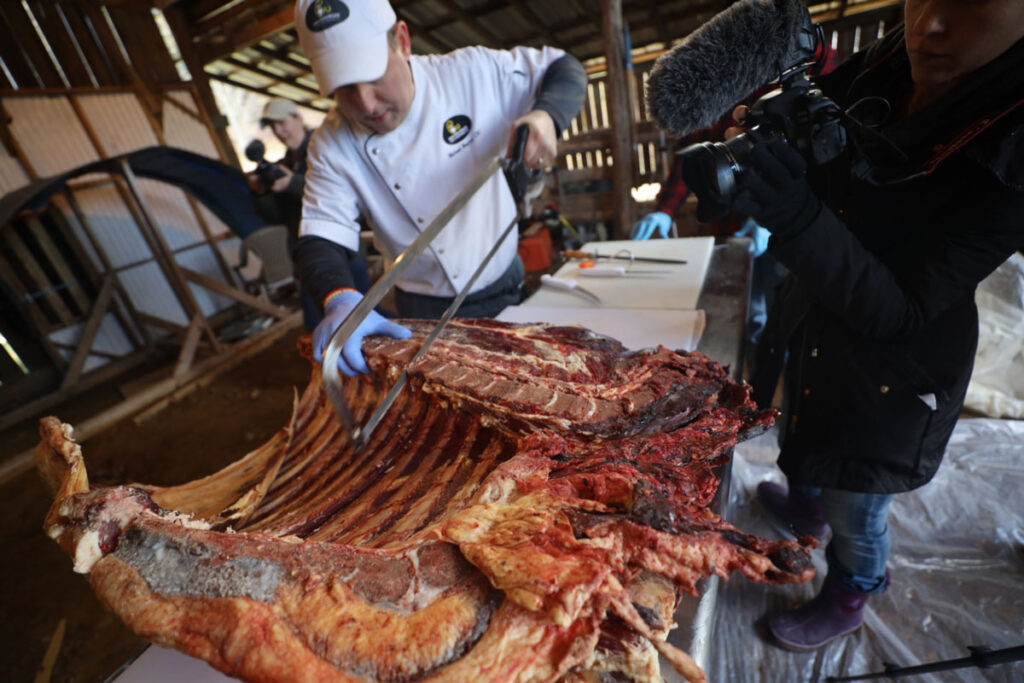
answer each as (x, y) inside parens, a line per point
(221, 188)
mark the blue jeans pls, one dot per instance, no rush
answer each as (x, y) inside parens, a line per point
(859, 548)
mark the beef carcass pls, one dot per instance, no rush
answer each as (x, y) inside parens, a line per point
(531, 508)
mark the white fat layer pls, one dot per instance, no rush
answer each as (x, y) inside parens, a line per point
(87, 551)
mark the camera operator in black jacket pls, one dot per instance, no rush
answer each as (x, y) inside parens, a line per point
(886, 246)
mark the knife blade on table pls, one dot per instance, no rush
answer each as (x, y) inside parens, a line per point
(568, 285)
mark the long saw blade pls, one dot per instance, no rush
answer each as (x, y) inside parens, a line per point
(361, 435)
(329, 366)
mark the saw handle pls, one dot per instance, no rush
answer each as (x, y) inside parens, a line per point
(518, 175)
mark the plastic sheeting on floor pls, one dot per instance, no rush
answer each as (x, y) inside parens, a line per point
(997, 384)
(957, 567)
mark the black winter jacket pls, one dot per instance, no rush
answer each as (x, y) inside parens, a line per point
(879, 318)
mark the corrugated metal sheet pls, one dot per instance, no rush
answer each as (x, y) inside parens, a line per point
(185, 98)
(119, 122)
(202, 260)
(79, 232)
(185, 131)
(151, 293)
(112, 224)
(110, 338)
(170, 208)
(50, 134)
(12, 175)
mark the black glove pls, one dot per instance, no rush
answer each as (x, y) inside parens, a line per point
(775, 189)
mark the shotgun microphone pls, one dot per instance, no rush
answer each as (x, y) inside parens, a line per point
(737, 51)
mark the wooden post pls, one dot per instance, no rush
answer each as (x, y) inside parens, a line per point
(621, 116)
(217, 121)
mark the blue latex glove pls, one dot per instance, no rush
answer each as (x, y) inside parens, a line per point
(645, 227)
(351, 361)
(759, 235)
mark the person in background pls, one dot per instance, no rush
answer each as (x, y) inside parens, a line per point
(284, 197)
(408, 133)
(886, 246)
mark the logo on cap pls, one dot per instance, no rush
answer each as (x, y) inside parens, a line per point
(456, 128)
(324, 14)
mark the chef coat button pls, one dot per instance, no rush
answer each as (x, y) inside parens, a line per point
(807, 392)
(884, 388)
(440, 251)
(397, 186)
(792, 420)
(814, 353)
(420, 219)
(375, 150)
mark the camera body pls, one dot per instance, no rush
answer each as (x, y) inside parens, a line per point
(266, 172)
(797, 112)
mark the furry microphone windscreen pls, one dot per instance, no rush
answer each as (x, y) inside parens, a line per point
(725, 60)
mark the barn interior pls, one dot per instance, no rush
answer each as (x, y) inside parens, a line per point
(136, 306)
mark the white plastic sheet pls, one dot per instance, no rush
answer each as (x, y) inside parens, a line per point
(997, 384)
(957, 566)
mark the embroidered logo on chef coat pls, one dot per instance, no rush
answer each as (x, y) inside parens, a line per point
(324, 14)
(456, 128)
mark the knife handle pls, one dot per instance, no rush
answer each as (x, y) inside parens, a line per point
(558, 283)
(576, 253)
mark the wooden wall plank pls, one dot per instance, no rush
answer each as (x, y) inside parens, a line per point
(25, 36)
(101, 64)
(15, 55)
(144, 44)
(63, 45)
(57, 262)
(100, 32)
(92, 326)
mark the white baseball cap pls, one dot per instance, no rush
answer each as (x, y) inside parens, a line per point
(278, 109)
(345, 42)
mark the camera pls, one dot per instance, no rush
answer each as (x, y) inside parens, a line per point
(796, 111)
(266, 172)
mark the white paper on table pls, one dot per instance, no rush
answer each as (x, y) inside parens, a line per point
(635, 328)
(647, 285)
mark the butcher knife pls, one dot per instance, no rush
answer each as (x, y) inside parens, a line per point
(521, 181)
(593, 256)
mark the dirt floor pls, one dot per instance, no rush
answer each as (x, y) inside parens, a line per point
(191, 438)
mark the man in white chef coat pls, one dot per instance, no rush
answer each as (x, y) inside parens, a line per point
(408, 133)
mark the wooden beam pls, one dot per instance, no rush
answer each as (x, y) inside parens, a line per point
(88, 381)
(620, 114)
(203, 372)
(188, 347)
(252, 33)
(90, 233)
(255, 69)
(92, 326)
(217, 122)
(158, 245)
(234, 293)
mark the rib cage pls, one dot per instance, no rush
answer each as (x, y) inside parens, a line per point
(571, 474)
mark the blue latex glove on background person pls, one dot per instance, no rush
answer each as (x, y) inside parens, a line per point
(755, 232)
(656, 220)
(351, 361)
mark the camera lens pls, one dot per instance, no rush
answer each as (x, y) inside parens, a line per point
(710, 169)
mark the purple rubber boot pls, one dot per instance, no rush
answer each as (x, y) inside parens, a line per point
(801, 513)
(835, 611)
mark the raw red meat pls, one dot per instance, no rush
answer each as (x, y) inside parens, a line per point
(530, 509)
